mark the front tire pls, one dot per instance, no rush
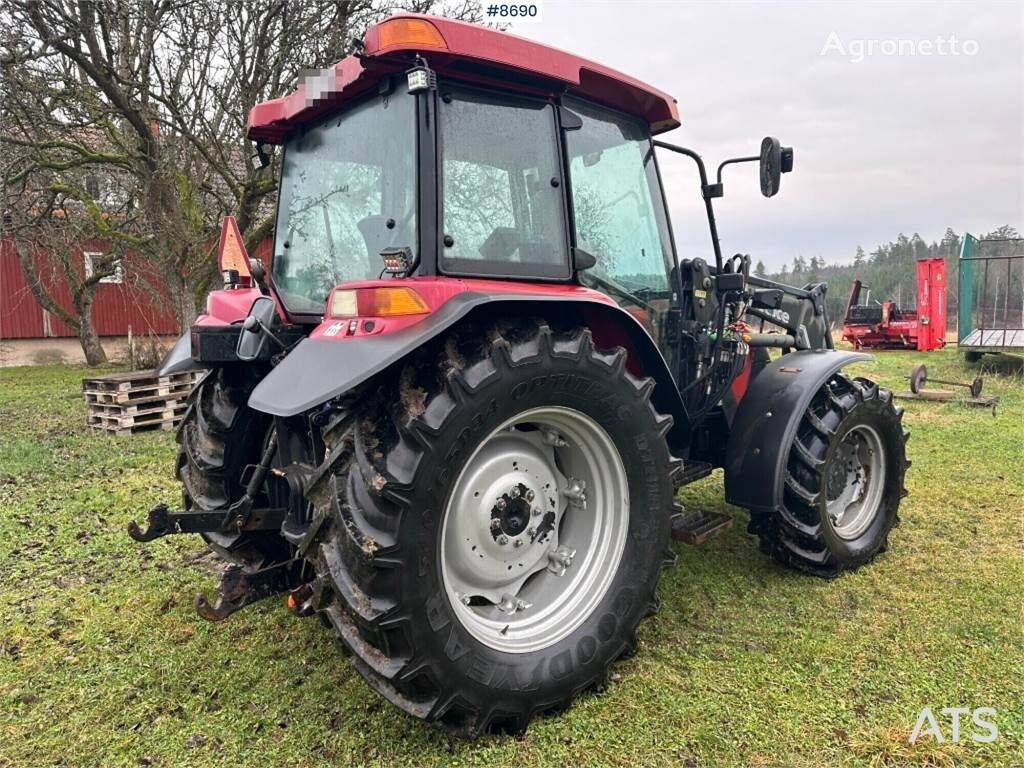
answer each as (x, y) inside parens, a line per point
(445, 619)
(844, 481)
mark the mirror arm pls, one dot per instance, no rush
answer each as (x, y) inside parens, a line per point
(251, 324)
(730, 161)
(707, 190)
(272, 336)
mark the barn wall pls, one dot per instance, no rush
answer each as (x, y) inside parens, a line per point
(138, 302)
(20, 315)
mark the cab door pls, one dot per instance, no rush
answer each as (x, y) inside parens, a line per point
(619, 217)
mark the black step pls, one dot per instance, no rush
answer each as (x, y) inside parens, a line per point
(698, 527)
(693, 471)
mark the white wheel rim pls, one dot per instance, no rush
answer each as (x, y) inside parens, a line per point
(534, 529)
(855, 482)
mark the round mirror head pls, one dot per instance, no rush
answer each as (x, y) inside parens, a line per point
(771, 166)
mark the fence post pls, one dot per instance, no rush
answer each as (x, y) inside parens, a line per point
(966, 288)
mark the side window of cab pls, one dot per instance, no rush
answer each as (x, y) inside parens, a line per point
(619, 212)
(502, 209)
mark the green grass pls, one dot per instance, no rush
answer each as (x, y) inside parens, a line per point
(104, 662)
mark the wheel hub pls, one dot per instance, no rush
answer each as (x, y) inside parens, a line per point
(511, 514)
(524, 556)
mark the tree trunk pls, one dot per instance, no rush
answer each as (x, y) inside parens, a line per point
(87, 336)
(90, 340)
(183, 300)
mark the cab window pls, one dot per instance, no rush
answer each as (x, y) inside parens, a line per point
(502, 210)
(619, 212)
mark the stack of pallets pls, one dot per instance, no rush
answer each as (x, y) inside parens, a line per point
(134, 402)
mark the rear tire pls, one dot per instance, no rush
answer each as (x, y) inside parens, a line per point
(218, 437)
(844, 481)
(384, 566)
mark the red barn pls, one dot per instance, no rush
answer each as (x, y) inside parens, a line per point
(133, 298)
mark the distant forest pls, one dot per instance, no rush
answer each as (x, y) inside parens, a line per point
(888, 270)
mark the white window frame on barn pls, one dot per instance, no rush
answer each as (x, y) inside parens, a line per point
(117, 277)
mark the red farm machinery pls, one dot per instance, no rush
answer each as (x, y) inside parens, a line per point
(884, 325)
(451, 416)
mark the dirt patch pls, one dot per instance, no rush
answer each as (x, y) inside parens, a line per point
(414, 399)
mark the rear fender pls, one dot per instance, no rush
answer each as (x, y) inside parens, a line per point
(322, 368)
(766, 422)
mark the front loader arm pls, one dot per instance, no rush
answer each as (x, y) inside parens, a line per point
(801, 311)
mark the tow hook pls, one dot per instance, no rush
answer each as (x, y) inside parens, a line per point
(239, 588)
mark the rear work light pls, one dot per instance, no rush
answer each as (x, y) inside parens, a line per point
(409, 33)
(377, 302)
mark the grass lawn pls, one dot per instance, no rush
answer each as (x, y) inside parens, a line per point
(104, 662)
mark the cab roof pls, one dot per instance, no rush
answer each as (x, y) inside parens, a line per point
(465, 51)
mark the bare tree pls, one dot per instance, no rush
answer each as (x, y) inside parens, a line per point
(55, 202)
(160, 91)
(48, 236)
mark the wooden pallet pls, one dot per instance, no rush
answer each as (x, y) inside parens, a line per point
(140, 401)
(141, 385)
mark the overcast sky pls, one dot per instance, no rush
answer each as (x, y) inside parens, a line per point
(883, 143)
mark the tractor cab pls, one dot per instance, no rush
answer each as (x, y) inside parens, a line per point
(443, 151)
(471, 160)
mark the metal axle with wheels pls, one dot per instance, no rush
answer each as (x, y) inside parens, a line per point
(919, 378)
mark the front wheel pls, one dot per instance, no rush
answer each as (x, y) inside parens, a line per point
(496, 532)
(844, 481)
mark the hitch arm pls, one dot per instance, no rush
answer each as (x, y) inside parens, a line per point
(240, 516)
(163, 522)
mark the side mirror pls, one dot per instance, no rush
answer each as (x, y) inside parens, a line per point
(255, 330)
(775, 161)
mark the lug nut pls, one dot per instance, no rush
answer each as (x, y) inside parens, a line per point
(537, 512)
(531, 531)
(530, 495)
(495, 523)
(576, 492)
(560, 559)
(517, 543)
(503, 540)
(501, 504)
(514, 492)
(511, 604)
(554, 439)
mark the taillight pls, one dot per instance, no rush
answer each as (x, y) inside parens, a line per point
(406, 32)
(377, 302)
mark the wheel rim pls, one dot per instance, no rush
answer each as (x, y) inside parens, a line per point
(855, 481)
(534, 529)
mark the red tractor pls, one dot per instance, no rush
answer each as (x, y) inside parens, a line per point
(452, 416)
